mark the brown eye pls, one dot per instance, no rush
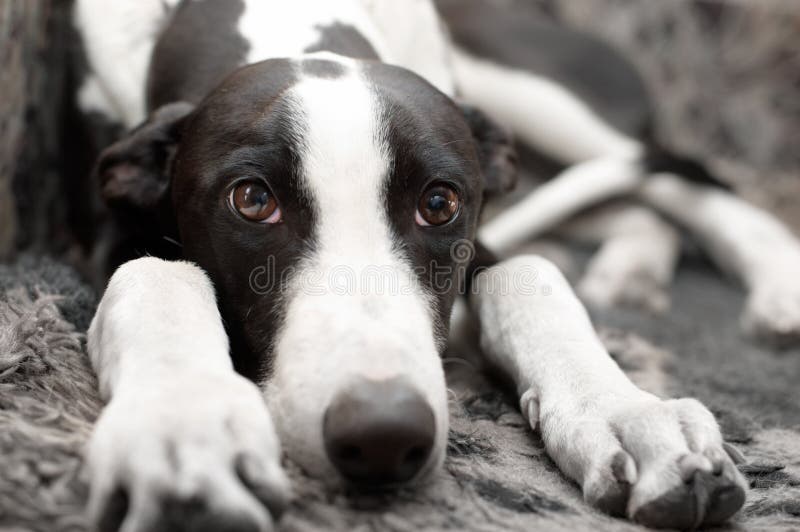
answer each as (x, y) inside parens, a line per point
(254, 201)
(438, 205)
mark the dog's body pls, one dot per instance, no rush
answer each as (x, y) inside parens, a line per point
(327, 196)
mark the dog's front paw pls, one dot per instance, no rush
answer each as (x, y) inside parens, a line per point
(661, 463)
(772, 312)
(200, 455)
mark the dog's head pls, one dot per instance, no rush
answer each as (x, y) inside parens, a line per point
(332, 203)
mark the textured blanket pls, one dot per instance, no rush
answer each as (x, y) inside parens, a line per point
(496, 477)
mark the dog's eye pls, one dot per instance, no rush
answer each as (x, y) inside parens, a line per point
(254, 201)
(438, 205)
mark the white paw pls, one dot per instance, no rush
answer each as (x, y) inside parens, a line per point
(772, 312)
(638, 290)
(199, 454)
(661, 463)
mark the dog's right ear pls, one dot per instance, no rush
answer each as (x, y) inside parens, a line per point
(134, 172)
(496, 152)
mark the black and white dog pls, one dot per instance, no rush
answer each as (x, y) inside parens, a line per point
(309, 158)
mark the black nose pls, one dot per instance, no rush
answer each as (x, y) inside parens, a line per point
(379, 432)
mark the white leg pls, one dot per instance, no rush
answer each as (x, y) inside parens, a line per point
(540, 112)
(603, 163)
(660, 462)
(636, 260)
(580, 186)
(745, 241)
(182, 431)
(119, 37)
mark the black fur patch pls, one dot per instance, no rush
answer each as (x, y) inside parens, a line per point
(517, 36)
(321, 68)
(658, 160)
(343, 39)
(245, 130)
(199, 47)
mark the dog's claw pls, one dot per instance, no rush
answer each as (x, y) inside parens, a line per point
(734, 453)
(691, 464)
(529, 405)
(275, 495)
(624, 468)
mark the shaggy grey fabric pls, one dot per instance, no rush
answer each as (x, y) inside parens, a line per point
(497, 476)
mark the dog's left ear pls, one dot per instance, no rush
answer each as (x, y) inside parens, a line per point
(134, 172)
(496, 152)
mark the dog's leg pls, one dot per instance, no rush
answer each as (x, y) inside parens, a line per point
(602, 163)
(636, 260)
(661, 462)
(119, 38)
(744, 240)
(576, 188)
(183, 436)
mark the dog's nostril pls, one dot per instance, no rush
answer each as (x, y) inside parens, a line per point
(416, 455)
(379, 432)
(349, 452)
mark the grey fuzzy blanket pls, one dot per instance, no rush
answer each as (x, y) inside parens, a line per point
(496, 477)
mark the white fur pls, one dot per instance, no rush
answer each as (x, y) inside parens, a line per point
(542, 113)
(415, 38)
(179, 417)
(747, 242)
(636, 260)
(276, 28)
(574, 189)
(376, 327)
(119, 37)
(588, 410)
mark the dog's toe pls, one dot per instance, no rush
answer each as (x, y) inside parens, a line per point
(268, 483)
(196, 515)
(707, 494)
(727, 494)
(610, 492)
(677, 508)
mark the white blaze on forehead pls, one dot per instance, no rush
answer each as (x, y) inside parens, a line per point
(345, 165)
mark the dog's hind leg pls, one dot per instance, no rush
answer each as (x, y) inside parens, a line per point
(636, 261)
(118, 38)
(578, 187)
(745, 241)
(660, 462)
(601, 162)
(184, 441)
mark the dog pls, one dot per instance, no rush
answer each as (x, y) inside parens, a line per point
(320, 168)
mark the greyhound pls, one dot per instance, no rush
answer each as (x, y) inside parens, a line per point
(322, 167)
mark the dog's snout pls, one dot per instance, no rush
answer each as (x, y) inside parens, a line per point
(379, 432)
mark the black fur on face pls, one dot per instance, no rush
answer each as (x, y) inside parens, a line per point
(244, 130)
(250, 129)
